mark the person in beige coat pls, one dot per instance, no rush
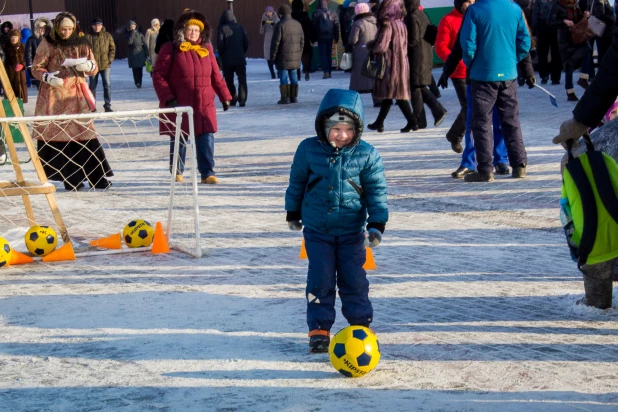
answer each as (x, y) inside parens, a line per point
(151, 39)
(69, 150)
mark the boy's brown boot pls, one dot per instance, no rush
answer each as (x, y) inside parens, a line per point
(319, 340)
(210, 180)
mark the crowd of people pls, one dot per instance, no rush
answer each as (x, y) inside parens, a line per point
(484, 64)
(337, 189)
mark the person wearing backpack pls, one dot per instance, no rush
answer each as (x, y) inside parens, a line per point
(232, 44)
(326, 27)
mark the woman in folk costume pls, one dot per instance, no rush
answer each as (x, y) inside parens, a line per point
(15, 63)
(187, 74)
(69, 150)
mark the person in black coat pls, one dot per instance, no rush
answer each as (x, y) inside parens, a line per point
(597, 99)
(302, 17)
(42, 26)
(563, 15)
(420, 56)
(286, 50)
(233, 43)
(547, 42)
(602, 10)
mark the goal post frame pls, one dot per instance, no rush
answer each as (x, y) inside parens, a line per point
(188, 139)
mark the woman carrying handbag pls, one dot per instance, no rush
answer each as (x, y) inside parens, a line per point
(364, 30)
(566, 16)
(392, 45)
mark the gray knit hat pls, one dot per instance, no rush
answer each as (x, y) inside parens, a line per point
(337, 118)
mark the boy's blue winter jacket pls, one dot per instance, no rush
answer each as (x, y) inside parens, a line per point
(336, 192)
(494, 38)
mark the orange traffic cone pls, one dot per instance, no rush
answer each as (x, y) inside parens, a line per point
(66, 252)
(303, 251)
(18, 258)
(110, 242)
(370, 263)
(160, 241)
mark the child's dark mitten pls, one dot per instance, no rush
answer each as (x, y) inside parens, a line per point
(295, 225)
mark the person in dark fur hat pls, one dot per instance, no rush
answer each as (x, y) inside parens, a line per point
(187, 74)
(70, 151)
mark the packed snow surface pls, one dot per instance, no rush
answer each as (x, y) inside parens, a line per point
(474, 295)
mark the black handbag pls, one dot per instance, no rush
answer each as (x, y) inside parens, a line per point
(431, 34)
(374, 66)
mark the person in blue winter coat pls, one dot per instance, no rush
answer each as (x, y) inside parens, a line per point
(337, 192)
(494, 39)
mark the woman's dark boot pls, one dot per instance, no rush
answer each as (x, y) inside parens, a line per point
(378, 125)
(406, 109)
(437, 110)
(285, 94)
(293, 93)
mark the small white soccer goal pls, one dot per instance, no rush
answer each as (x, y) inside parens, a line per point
(144, 182)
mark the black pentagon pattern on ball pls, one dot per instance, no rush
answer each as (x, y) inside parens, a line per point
(34, 236)
(133, 223)
(50, 239)
(339, 350)
(127, 239)
(143, 234)
(363, 360)
(378, 344)
(2, 264)
(345, 373)
(145, 221)
(44, 227)
(7, 248)
(39, 252)
(359, 334)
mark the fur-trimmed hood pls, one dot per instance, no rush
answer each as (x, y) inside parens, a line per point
(363, 16)
(179, 27)
(38, 22)
(75, 39)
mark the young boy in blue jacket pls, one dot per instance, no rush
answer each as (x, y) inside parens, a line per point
(337, 191)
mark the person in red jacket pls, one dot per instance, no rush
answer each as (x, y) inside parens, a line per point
(447, 35)
(187, 74)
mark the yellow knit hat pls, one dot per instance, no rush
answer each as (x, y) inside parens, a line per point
(195, 22)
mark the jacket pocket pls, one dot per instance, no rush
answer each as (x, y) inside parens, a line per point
(313, 183)
(356, 187)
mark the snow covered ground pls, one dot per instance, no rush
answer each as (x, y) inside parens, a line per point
(474, 295)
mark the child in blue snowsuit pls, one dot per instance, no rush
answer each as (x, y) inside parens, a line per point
(337, 191)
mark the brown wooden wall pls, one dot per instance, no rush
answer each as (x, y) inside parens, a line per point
(116, 13)
(38, 6)
(248, 13)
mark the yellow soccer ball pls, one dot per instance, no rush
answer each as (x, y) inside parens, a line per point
(138, 233)
(41, 240)
(5, 253)
(354, 351)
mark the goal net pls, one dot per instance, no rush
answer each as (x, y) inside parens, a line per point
(88, 152)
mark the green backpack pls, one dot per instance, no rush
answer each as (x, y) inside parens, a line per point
(589, 205)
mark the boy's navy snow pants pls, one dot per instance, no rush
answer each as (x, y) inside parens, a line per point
(336, 260)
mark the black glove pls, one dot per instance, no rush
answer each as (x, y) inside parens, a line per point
(443, 81)
(531, 82)
(263, 22)
(172, 103)
(226, 106)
